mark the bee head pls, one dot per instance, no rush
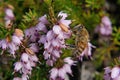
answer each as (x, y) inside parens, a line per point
(78, 28)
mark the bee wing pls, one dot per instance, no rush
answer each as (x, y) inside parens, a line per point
(75, 28)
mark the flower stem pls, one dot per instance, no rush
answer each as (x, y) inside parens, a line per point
(52, 13)
(116, 61)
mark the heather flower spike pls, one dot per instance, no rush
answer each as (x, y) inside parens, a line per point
(105, 27)
(54, 41)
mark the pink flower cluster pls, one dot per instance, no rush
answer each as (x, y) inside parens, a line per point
(33, 33)
(59, 73)
(24, 66)
(29, 58)
(27, 61)
(105, 27)
(12, 44)
(54, 40)
(112, 73)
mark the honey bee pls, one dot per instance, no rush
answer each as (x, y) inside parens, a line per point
(81, 39)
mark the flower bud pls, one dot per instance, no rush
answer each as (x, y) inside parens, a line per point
(8, 39)
(8, 24)
(10, 6)
(63, 27)
(19, 32)
(29, 51)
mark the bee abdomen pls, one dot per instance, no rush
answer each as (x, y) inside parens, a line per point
(80, 48)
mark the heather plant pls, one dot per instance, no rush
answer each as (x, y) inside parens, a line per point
(37, 41)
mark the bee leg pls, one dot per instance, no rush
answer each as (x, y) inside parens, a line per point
(76, 53)
(70, 46)
(90, 58)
